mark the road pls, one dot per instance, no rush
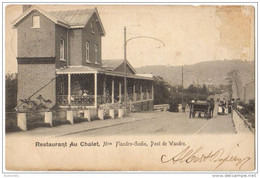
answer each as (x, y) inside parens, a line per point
(166, 123)
(153, 122)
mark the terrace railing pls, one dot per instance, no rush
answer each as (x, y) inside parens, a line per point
(76, 100)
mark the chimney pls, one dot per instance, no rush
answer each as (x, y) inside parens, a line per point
(25, 7)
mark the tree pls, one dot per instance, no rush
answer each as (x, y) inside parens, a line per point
(234, 77)
(10, 91)
(161, 91)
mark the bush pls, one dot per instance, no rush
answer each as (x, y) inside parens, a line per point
(79, 119)
(248, 111)
(10, 92)
(36, 124)
(107, 117)
(35, 120)
(93, 118)
(57, 122)
(59, 117)
(11, 123)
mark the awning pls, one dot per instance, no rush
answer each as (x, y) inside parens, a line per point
(92, 70)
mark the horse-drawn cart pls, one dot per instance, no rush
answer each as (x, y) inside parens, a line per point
(200, 107)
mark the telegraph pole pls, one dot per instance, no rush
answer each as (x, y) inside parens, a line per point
(125, 85)
(125, 45)
(182, 84)
(197, 89)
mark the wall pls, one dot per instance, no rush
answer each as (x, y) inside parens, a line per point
(36, 42)
(92, 38)
(31, 77)
(75, 47)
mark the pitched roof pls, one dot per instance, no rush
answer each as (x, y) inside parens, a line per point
(114, 64)
(74, 17)
(69, 19)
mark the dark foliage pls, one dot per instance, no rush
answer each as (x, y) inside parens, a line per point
(161, 91)
(10, 92)
(11, 123)
(79, 119)
(248, 111)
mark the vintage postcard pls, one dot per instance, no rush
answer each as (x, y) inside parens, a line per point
(91, 87)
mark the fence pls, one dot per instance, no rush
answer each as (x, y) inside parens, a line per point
(17, 121)
(240, 122)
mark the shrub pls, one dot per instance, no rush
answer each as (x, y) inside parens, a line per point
(79, 119)
(248, 111)
(107, 117)
(57, 122)
(11, 123)
(93, 118)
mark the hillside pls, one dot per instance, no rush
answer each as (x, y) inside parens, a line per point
(210, 72)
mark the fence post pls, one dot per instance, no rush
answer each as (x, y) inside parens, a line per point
(101, 114)
(21, 121)
(48, 118)
(70, 116)
(112, 113)
(87, 115)
(120, 113)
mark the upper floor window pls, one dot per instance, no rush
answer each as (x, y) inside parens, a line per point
(92, 28)
(36, 22)
(96, 53)
(87, 52)
(62, 49)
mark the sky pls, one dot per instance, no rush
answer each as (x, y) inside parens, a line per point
(191, 34)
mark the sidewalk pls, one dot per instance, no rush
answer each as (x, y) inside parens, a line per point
(64, 130)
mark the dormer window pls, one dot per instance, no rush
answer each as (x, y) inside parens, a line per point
(87, 52)
(62, 50)
(35, 21)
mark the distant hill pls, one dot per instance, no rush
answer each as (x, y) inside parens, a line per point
(210, 72)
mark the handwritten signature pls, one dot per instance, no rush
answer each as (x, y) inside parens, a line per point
(189, 155)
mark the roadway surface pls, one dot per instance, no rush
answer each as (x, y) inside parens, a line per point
(166, 123)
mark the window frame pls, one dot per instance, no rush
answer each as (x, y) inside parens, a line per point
(92, 27)
(96, 53)
(62, 59)
(87, 51)
(39, 21)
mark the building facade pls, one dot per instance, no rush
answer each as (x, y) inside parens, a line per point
(59, 58)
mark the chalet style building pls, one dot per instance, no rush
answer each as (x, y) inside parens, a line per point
(59, 58)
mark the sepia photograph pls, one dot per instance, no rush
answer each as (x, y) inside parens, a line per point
(128, 87)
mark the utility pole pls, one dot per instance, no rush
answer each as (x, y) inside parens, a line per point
(125, 85)
(182, 84)
(197, 89)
